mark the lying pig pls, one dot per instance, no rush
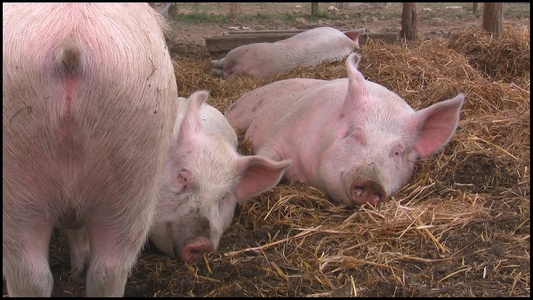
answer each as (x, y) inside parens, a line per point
(205, 177)
(88, 111)
(308, 48)
(350, 137)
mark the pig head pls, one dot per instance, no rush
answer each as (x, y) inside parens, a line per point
(205, 178)
(350, 137)
(307, 48)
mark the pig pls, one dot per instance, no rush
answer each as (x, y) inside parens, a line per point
(308, 48)
(350, 137)
(204, 179)
(88, 112)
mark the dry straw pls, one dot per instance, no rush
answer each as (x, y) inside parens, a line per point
(459, 228)
(443, 227)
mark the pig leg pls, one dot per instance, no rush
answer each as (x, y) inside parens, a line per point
(217, 72)
(218, 63)
(78, 241)
(114, 249)
(217, 67)
(25, 259)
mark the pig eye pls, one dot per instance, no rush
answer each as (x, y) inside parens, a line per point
(354, 135)
(222, 202)
(397, 151)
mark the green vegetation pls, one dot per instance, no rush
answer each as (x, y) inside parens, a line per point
(206, 12)
(202, 17)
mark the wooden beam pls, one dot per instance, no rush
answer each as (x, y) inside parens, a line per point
(234, 39)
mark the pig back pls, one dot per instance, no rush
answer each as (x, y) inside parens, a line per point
(88, 107)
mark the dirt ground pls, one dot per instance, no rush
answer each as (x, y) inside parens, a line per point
(435, 20)
(488, 256)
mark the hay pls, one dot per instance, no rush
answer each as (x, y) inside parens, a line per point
(464, 217)
(504, 59)
(461, 227)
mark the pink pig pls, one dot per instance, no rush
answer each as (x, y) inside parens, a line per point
(350, 137)
(307, 48)
(88, 111)
(205, 177)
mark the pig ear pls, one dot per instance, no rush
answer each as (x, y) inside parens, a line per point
(258, 174)
(354, 35)
(357, 91)
(436, 124)
(191, 123)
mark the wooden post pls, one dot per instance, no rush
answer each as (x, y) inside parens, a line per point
(493, 18)
(409, 21)
(475, 9)
(314, 8)
(233, 10)
(173, 10)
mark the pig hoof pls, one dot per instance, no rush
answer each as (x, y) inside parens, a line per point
(367, 191)
(217, 72)
(79, 274)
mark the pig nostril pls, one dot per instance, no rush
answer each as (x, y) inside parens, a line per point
(367, 191)
(195, 255)
(195, 250)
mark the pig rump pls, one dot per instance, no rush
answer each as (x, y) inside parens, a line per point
(87, 120)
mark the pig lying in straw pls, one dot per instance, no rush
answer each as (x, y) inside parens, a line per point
(88, 114)
(350, 137)
(307, 48)
(205, 177)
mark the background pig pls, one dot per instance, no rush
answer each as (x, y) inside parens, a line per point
(350, 137)
(307, 48)
(205, 177)
(88, 113)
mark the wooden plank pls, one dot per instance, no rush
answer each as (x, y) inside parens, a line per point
(275, 31)
(262, 31)
(228, 42)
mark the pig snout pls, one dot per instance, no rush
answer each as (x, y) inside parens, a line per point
(196, 249)
(366, 185)
(367, 191)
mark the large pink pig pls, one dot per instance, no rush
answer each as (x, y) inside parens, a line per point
(88, 111)
(205, 178)
(307, 48)
(352, 138)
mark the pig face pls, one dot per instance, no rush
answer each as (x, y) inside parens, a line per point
(378, 139)
(373, 160)
(205, 178)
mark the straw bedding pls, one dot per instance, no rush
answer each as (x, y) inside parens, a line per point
(461, 227)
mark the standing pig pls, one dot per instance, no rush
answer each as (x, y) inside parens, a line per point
(308, 48)
(352, 138)
(88, 112)
(205, 177)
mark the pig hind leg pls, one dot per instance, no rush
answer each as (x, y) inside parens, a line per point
(114, 250)
(25, 259)
(218, 64)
